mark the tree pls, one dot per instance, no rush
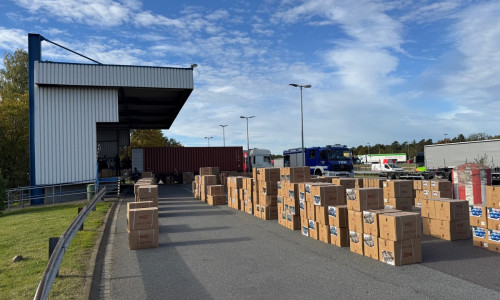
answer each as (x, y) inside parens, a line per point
(478, 137)
(14, 78)
(145, 138)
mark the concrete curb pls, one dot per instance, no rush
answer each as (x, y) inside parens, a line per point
(93, 276)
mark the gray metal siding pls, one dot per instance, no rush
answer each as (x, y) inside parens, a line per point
(48, 73)
(65, 131)
(454, 154)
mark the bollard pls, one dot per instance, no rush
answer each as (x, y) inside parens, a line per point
(52, 245)
(91, 189)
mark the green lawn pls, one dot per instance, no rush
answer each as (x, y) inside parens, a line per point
(26, 232)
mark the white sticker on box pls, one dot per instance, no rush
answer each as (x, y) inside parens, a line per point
(317, 200)
(334, 230)
(332, 211)
(350, 194)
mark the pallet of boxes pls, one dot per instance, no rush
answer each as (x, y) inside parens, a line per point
(265, 185)
(387, 235)
(485, 221)
(208, 176)
(235, 192)
(142, 216)
(288, 195)
(442, 217)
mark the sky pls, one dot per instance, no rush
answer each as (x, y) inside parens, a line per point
(380, 71)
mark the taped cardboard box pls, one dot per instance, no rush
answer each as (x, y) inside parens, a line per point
(493, 196)
(292, 221)
(268, 200)
(268, 212)
(398, 188)
(356, 242)
(355, 221)
(479, 237)
(154, 200)
(427, 208)
(216, 200)
(313, 229)
(493, 218)
(268, 187)
(215, 190)
(370, 220)
(348, 183)
(359, 182)
(268, 174)
(143, 239)
(310, 211)
(370, 246)
(451, 209)
(397, 253)
(209, 171)
(256, 210)
(441, 185)
(328, 195)
(400, 226)
(417, 184)
(308, 189)
(339, 236)
(426, 226)
(135, 205)
(338, 216)
(324, 233)
(208, 180)
(400, 203)
(441, 194)
(477, 215)
(142, 218)
(365, 199)
(450, 230)
(494, 240)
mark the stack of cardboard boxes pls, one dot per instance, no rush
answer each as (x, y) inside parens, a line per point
(359, 200)
(205, 182)
(266, 195)
(142, 216)
(371, 231)
(248, 187)
(288, 195)
(445, 218)
(431, 189)
(235, 191)
(485, 221)
(215, 195)
(398, 194)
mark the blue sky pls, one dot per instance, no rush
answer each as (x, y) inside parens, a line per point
(380, 70)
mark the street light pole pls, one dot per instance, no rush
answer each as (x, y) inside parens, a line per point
(208, 139)
(223, 134)
(248, 143)
(302, 119)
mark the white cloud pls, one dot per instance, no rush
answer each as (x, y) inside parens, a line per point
(13, 39)
(431, 12)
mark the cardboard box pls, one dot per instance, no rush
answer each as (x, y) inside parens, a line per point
(292, 222)
(450, 230)
(417, 184)
(348, 183)
(296, 174)
(256, 210)
(426, 226)
(400, 226)
(441, 185)
(215, 190)
(451, 210)
(427, 208)
(370, 246)
(268, 187)
(268, 174)
(328, 195)
(370, 220)
(310, 211)
(143, 239)
(337, 216)
(142, 218)
(209, 171)
(268, 200)
(154, 200)
(493, 196)
(359, 183)
(268, 212)
(398, 188)
(397, 253)
(493, 218)
(322, 215)
(426, 185)
(147, 191)
(479, 237)
(441, 194)
(324, 233)
(477, 215)
(356, 242)
(400, 203)
(365, 199)
(339, 236)
(209, 180)
(355, 221)
(142, 204)
(216, 200)
(313, 229)
(494, 240)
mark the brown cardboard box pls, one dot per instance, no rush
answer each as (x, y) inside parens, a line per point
(293, 222)
(400, 226)
(377, 183)
(441, 194)
(256, 210)
(208, 179)
(493, 240)
(493, 196)
(339, 236)
(450, 230)
(310, 211)
(236, 181)
(399, 253)
(268, 212)
(147, 191)
(324, 233)
(216, 200)
(359, 183)
(142, 204)
(143, 239)
(337, 215)
(348, 183)
(480, 236)
(426, 226)
(269, 187)
(355, 222)
(268, 174)
(328, 195)
(209, 171)
(364, 199)
(302, 208)
(417, 184)
(451, 210)
(154, 200)
(268, 200)
(313, 229)
(370, 246)
(215, 190)
(426, 185)
(370, 220)
(427, 208)
(493, 218)
(242, 205)
(292, 191)
(441, 185)
(398, 188)
(356, 242)
(297, 174)
(322, 215)
(477, 215)
(400, 203)
(142, 218)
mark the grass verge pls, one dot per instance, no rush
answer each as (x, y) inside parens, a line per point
(26, 232)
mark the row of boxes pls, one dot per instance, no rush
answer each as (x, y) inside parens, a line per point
(142, 216)
(485, 221)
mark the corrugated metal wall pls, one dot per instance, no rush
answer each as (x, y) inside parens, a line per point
(65, 131)
(191, 159)
(107, 76)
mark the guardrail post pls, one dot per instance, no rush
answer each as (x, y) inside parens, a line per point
(79, 210)
(52, 245)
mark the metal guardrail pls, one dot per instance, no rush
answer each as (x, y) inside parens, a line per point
(55, 260)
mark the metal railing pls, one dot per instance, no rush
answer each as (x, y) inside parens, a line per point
(56, 258)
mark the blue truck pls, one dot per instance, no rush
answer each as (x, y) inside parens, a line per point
(331, 160)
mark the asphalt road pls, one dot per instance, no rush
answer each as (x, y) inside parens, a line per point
(216, 252)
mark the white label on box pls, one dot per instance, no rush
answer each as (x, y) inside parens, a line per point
(368, 240)
(302, 205)
(334, 230)
(302, 196)
(368, 217)
(419, 204)
(308, 188)
(386, 200)
(350, 194)
(305, 231)
(388, 257)
(354, 237)
(332, 211)
(311, 224)
(317, 200)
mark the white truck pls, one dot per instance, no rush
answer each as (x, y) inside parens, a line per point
(388, 168)
(377, 158)
(259, 158)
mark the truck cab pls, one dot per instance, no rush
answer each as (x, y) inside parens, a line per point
(259, 158)
(332, 160)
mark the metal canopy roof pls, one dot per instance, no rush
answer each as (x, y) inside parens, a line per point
(148, 97)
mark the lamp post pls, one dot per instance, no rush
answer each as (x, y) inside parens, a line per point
(302, 118)
(208, 139)
(223, 134)
(248, 143)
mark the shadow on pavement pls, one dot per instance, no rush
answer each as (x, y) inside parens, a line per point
(195, 213)
(205, 242)
(179, 207)
(187, 228)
